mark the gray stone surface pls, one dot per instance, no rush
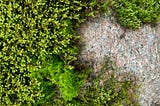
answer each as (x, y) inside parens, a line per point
(136, 51)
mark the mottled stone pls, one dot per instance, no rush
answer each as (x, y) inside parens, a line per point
(135, 51)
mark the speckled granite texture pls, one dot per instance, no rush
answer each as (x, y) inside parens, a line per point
(137, 51)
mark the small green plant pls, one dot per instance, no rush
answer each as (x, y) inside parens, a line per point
(133, 13)
(47, 76)
(106, 88)
(54, 78)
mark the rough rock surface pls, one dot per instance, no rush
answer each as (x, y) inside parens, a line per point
(136, 51)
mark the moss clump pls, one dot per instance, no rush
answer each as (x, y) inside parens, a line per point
(37, 47)
(106, 88)
(29, 31)
(133, 13)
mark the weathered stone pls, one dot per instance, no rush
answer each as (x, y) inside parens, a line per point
(135, 51)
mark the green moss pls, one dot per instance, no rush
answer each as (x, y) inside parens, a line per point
(133, 13)
(38, 45)
(56, 81)
(29, 31)
(106, 88)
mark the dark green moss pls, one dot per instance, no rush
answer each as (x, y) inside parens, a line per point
(133, 13)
